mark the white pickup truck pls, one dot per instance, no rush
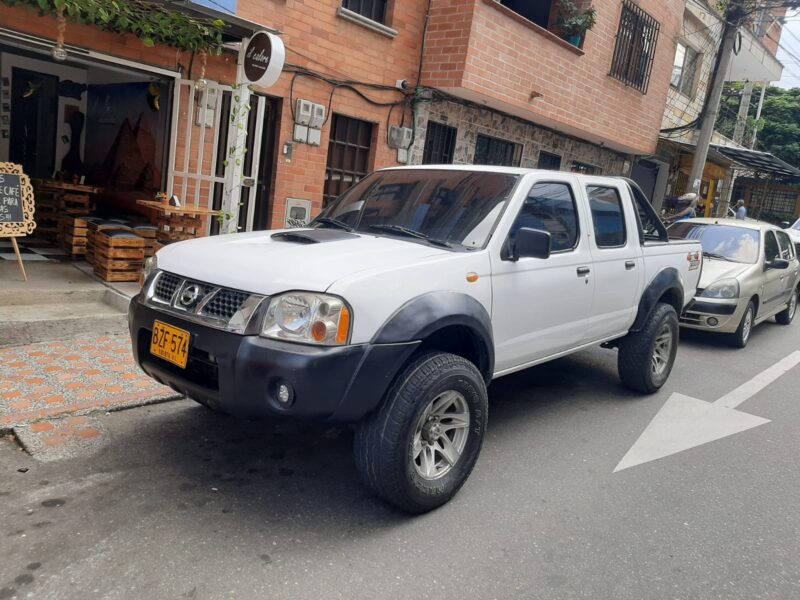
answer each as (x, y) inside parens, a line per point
(405, 298)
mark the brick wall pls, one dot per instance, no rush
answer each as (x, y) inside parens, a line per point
(478, 49)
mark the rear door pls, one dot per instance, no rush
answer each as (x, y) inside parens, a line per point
(540, 307)
(617, 257)
(774, 294)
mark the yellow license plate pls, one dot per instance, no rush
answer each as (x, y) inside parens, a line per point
(170, 343)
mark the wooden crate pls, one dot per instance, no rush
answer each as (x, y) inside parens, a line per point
(102, 252)
(117, 239)
(107, 275)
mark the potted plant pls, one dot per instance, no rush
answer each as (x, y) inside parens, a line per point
(574, 22)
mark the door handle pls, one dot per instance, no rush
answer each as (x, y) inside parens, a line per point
(583, 271)
(630, 264)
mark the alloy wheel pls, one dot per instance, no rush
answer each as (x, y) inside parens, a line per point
(440, 435)
(662, 350)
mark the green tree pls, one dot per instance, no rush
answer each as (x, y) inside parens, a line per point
(779, 126)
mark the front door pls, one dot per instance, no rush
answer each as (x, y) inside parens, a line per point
(255, 210)
(34, 106)
(541, 307)
(618, 264)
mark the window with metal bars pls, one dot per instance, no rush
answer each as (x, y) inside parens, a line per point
(440, 144)
(635, 48)
(348, 155)
(494, 151)
(551, 162)
(374, 10)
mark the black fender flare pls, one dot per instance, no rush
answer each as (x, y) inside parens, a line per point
(421, 317)
(668, 281)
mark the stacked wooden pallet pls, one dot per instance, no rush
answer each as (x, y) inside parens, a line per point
(56, 199)
(117, 255)
(178, 227)
(72, 233)
(149, 233)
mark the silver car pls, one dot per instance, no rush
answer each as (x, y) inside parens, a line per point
(750, 273)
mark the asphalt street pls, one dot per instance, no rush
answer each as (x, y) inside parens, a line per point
(182, 503)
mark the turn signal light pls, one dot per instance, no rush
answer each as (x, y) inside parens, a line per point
(344, 326)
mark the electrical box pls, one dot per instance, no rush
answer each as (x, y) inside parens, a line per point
(317, 116)
(402, 155)
(400, 137)
(301, 134)
(314, 137)
(303, 112)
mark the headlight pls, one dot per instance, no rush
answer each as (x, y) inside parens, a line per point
(724, 288)
(150, 267)
(308, 318)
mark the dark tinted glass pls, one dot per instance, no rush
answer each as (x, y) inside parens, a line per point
(459, 207)
(607, 215)
(494, 151)
(550, 207)
(551, 162)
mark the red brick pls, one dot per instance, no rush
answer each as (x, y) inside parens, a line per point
(41, 426)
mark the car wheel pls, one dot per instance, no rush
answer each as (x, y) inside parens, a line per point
(646, 357)
(742, 335)
(786, 316)
(419, 448)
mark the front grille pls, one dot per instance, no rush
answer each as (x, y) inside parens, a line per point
(225, 303)
(187, 298)
(165, 287)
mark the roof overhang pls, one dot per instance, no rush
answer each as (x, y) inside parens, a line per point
(760, 162)
(236, 29)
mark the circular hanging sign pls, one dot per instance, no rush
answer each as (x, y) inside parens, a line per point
(261, 59)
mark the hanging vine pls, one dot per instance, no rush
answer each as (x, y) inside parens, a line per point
(149, 21)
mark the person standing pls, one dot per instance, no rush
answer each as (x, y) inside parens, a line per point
(690, 212)
(741, 211)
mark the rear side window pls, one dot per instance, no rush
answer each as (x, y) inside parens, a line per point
(771, 250)
(785, 244)
(550, 207)
(607, 215)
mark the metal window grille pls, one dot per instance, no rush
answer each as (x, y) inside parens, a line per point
(551, 162)
(494, 151)
(776, 201)
(635, 48)
(440, 144)
(348, 155)
(372, 9)
(585, 169)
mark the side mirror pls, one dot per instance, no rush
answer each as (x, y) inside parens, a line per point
(530, 243)
(778, 263)
(785, 225)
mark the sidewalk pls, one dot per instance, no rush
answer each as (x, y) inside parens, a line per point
(76, 376)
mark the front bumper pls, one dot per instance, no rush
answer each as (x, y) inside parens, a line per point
(712, 314)
(239, 374)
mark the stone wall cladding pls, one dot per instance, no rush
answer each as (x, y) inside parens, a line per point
(471, 122)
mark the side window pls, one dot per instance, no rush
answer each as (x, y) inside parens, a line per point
(607, 215)
(785, 244)
(550, 207)
(771, 250)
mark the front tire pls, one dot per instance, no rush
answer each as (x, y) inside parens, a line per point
(646, 357)
(419, 448)
(740, 338)
(786, 316)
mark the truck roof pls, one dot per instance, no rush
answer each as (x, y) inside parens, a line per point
(492, 169)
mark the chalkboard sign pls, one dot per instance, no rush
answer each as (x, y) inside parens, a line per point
(16, 201)
(10, 199)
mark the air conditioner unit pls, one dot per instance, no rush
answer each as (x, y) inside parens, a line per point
(317, 116)
(303, 111)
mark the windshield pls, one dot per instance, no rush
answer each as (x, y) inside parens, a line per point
(796, 225)
(453, 208)
(736, 244)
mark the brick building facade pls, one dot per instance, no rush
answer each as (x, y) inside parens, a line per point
(499, 81)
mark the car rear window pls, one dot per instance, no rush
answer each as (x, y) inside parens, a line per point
(736, 244)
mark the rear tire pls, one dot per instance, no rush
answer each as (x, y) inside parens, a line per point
(419, 448)
(740, 338)
(646, 357)
(786, 316)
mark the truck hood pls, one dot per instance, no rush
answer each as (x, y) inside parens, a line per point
(715, 269)
(259, 263)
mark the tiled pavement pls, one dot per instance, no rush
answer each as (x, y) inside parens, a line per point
(41, 384)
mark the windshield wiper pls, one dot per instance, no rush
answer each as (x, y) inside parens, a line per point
(718, 256)
(335, 222)
(411, 233)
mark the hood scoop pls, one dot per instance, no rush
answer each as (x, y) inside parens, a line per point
(312, 236)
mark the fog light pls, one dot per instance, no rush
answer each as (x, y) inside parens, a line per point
(712, 321)
(284, 393)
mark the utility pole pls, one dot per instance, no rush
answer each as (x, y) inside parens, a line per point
(733, 17)
(758, 114)
(744, 111)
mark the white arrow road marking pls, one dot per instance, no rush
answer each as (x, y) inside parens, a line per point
(684, 422)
